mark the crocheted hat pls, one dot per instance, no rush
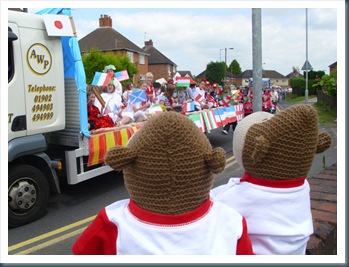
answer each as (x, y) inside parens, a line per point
(168, 164)
(281, 146)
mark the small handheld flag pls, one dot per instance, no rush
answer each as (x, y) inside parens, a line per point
(137, 96)
(188, 107)
(122, 75)
(183, 81)
(102, 78)
(58, 25)
(197, 95)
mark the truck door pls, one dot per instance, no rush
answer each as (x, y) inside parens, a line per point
(16, 99)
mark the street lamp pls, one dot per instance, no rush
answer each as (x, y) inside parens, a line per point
(220, 54)
(225, 58)
(226, 54)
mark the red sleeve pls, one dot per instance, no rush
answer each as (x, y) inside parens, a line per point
(99, 238)
(244, 246)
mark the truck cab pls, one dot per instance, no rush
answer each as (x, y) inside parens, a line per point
(36, 106)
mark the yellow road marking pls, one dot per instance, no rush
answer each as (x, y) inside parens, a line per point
(49, 234)
(51, 242)
(230, 164)
(66, 228)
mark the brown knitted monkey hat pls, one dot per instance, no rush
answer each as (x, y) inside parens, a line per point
(168, 164)
(280, 146)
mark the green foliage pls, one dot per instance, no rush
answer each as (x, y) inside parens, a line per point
(324, 113)
(299, 85)
(324, 162)
(215, 72)
(328, 83)
(313, 74)
(96, 61)
(234, 67)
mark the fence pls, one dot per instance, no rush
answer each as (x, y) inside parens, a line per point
(327, 100)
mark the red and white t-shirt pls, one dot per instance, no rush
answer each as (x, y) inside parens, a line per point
(123, 228)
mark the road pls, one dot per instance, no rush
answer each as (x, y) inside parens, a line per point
(71, 211)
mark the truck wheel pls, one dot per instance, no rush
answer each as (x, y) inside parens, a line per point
(28, 195)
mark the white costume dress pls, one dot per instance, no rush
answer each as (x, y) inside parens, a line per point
(113, 103)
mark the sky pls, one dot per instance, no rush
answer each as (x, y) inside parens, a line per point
(192, 37)
(194, 33)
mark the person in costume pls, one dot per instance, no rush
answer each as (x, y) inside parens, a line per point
(95, 119)
(168, 168)
(117, 84)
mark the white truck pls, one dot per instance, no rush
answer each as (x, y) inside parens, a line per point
(46, 139)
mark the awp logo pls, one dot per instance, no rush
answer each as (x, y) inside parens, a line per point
(39, 59)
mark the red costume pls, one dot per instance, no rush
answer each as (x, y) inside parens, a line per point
(103, 122)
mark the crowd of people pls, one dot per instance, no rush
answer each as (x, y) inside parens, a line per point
(118, 110)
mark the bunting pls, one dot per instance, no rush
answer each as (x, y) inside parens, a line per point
(205, 120)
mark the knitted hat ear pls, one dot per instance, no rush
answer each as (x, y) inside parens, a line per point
(325, 141)
(260, 150)
(119, 157)
(216, 160)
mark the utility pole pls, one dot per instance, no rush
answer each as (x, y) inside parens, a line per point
(306, 55)
(257, 58)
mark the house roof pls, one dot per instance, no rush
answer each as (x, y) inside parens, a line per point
(107, 39)
(265, 74)
(183, 73)
(201, 74)
(294, 74)
(156, 57)
(333, 65)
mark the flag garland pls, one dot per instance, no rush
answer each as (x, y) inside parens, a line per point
(205, 120)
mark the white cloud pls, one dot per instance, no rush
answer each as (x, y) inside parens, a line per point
(192, 38)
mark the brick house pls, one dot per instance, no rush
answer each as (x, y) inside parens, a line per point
(158, 63)
(333, 67)
(107, 39)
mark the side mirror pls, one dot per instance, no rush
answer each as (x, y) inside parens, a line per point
(11, 36)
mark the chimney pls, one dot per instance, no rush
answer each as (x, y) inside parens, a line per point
(148, 43)
(105, 21)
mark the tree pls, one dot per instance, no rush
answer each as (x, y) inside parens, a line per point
(215, 72)
(96, 61)
(328, 83)
(234, 68)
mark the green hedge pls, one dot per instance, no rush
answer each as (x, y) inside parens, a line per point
(298, 86)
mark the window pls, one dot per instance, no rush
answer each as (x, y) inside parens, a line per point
(141, 59)
(11, 64)
(174, 69)
(130, 56)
